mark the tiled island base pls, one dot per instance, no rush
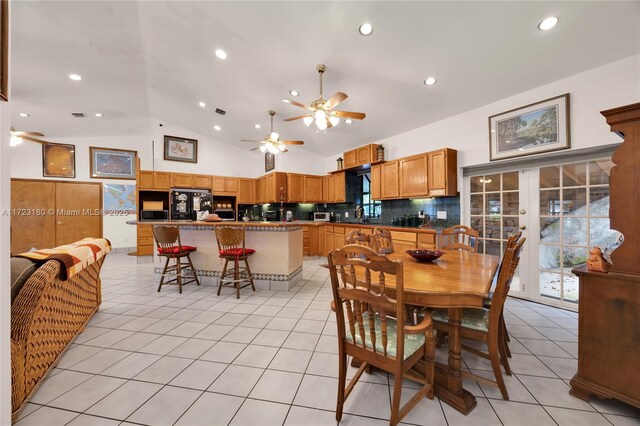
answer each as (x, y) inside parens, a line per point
(276, 264)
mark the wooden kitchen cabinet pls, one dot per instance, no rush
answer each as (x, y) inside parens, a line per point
(340, 187)
(413, 176)
(224, 185)
(217, 184)
(231, 185)
(181, 180)
(154, 180)
(310, 240)
(321, 233)
(325, 189)
(295, 188)
(271, 186)
(443, 172)
(145, 240)
(328, 239)
(201, 181)
(350, 159)
(427, 241)
(145, 179)
(246, 188)
(312, 186)
(366, 154)
(390, 182)
(376, 183)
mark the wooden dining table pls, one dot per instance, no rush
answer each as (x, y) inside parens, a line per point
(455, 281)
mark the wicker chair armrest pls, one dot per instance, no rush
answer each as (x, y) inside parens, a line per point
(18, 386)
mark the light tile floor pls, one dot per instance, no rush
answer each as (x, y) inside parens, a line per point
(270, 359)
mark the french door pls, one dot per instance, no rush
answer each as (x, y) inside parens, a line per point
(562, 209)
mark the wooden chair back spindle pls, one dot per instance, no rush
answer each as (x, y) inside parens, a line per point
(167, 238)
(382, 242)
(230, 238)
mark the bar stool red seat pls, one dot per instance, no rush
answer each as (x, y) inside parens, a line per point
(169, 245)
(231, 248)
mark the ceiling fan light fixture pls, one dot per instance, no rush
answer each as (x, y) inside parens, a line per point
(365, 29)
(307, 120)
(272, 149)
(281, 147)
(15, 140)
(263, 148)
(274, 136)
(334, 121)
(321, 124)
(320, 115)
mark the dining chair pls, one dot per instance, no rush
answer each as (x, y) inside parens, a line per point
(381, 241)
(369, 334)
(460, 237)
(485, 325)
(170, 246)
(358, 237)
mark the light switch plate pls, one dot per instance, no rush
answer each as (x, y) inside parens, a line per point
(442, 215)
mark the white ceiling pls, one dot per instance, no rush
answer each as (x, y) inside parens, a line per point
(144, 62)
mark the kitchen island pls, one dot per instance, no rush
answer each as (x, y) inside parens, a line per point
(276, 264)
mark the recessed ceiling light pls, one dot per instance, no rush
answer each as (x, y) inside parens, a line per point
(75, 77)
(365, 29)
(217, 128)
(98, 114)
(221, 54)
(202, 104)
(293, 92)
(23, 114)
(547, 23)
(430, 81)
(348, 121)
(257, 126)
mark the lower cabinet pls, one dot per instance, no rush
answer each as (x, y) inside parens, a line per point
(310, 240)
(145, 240)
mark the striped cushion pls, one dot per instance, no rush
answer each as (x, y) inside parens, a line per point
(176, 250)
(475, 319)
(237, 252)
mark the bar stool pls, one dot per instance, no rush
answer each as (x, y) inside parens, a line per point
(231, 248)
(169, 246)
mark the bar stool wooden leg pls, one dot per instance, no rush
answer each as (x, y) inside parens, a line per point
(179, 274)
(164, 271)
(193, 270)
(236, 277)
(246, 263)
(224, 271)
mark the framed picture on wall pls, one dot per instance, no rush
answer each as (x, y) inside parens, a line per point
(269, 161)
(58, 160)
(109, 163)
(532, 129)
(180, 149)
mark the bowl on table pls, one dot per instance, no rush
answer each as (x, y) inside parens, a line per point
(425, 255)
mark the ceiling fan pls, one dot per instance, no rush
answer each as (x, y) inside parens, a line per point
(322, 111)
(17, 137)
(272, 142)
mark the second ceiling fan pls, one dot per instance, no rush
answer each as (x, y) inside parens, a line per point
(272, 142)
(322, 111)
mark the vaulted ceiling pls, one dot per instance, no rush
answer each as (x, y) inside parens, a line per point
(145, 62)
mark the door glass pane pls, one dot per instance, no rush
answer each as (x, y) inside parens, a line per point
(549, 230)
(574, 231)
(493, 247)
(550, 177)
(599, 172)
(476, 223)
(477, 184)
(510, 203)
(509, 225)
(599, 201)
(476, 204)
(550, 202)
(570, 287)
(573, 256)
(510, 181)
(492, 228)
(492, 206)
(550, 257)
(550, 284)
(492, 183)
(574, 174)
(602, 236)
(574, 201)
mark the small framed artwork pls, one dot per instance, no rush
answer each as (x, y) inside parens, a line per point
(109, 163)
(58, 160)
(532, 129)
(180, 149)
(269, 161)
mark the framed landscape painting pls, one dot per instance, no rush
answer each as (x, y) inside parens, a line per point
(109, 163)
(180, 149)
(58, 160)
(269, 161)
(532, 129)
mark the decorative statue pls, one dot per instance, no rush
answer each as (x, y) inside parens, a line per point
(596, 262)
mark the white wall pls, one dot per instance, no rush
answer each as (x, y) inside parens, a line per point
(592, 91)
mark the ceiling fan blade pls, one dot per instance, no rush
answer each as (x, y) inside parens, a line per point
(293, 142)
(20, 133)
(297, 118)
(29, 138)
(335, 100)
(349, 114)
(247, 140)
(298, 104)
(253, 149)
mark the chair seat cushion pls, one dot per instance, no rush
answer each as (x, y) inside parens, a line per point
(412, 342)
(21, 270)
(176, 250)
(475, 319)
(237, 252)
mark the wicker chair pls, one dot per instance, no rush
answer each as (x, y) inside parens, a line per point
(45, 317)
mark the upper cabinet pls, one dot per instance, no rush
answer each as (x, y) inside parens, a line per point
(413, 176)
(313, 189)
(376, 193)
(201, 181)
(160, 181)
(389, 180)
(367, 154)
(336, 192)
(181, 180)
(224, 185)
(270, 187)
(443, 172)
(246, 190)
(295, 188)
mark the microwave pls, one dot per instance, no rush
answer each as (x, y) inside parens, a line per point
(154, 215)
(227, 215)
(321, 216)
